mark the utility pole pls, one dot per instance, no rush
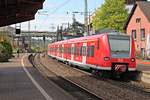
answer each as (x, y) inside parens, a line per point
(29, 38)
(61, 33)
(73, 17)
(18, 31)
(86, 16)
(58, 30)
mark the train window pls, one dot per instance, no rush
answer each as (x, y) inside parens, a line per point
(81, 51)
(98, 43)
(74, 50)
(69, 50)
(92, 51)
(88, 51)
(59, 50)
(62, 50)
(84, 50)
(77, 51)
(66, 50)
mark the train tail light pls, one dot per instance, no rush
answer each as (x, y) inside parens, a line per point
(106, 58)
(133, 59)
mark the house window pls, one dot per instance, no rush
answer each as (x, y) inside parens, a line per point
(142, 34)
(143, 52)
(134, 34)
(138, 20)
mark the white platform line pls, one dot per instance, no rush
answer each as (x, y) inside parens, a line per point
(43, 92)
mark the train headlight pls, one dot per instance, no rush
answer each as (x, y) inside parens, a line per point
(106, 58)
(133, 59)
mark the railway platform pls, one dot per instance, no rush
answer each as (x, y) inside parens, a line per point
(99, 86)
(19, 80)
(144, 67)
(144, 62)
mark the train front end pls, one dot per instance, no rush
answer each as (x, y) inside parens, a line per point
(122, 52)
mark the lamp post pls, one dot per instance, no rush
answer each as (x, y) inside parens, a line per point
(18, 29)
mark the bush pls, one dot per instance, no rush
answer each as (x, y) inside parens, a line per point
(5, 51)
(139, 56)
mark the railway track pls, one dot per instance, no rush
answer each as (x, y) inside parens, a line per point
(69, 86)
(134, 86)
(106, 89)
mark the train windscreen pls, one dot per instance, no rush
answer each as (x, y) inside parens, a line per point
(120, 46)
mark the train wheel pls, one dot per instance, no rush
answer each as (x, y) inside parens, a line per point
(98, 73)
(95, 72)
(123, 77)
(66, 62)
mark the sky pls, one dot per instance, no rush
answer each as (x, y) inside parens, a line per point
(59, 12)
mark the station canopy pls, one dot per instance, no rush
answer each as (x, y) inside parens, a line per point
(16, 11)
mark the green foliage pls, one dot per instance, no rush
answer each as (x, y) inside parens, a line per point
(138, 55)
(111, 15)
(5, 51)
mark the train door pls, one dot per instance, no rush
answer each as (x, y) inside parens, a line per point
(84, 53)
(72, 52)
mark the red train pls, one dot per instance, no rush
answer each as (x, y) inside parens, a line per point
(102, 52)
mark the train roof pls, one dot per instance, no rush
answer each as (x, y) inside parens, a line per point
(92, 37)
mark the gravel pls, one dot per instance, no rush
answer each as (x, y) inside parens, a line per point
(106, 89)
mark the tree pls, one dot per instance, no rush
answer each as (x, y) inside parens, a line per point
(111, 15)
(5, 51)
(76, 28)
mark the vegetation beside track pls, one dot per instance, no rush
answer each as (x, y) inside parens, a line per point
(5, 51)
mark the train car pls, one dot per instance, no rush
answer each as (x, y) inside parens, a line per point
(111, 52)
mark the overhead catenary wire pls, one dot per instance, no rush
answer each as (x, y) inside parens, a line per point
(60, 6)
(56, 9)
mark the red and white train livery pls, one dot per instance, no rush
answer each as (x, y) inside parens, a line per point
(111, 52)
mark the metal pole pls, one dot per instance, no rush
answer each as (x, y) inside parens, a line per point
(29, 35)
(18, 26)
(86, 16)
(44, 40)
(89, 27)
(57, 37)
(18, 47)
(61, 33)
